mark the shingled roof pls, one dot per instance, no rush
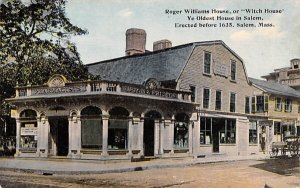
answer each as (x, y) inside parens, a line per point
(162, 65)
(275, 88)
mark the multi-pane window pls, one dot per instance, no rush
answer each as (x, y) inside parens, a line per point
(207, 62)
(260, 103)
(252, 132)
(247, 105)
(233, 70)
(227, 133)
(205, 131)
(278, 104)
(218, 100)
(232, 102)
(206, 93)
(193, 94)
(288, 105)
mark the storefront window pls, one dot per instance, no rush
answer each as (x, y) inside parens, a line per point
(252, 132)
(91, 128)
(118, 129)
(28, 135)
(117, 134)
(205, 131)
(227, 134)
(283, 130)
(181, 132)
(91, 133)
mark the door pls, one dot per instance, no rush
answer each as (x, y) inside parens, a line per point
(149, 137)
(59, 131)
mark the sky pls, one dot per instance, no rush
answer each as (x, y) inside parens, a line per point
(263, 49)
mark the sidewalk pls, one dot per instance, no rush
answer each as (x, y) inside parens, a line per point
(71, 166)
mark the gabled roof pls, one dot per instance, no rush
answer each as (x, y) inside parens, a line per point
(275, 88)
(162, 65)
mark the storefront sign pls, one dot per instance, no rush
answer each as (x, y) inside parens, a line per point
(58, 90)
(165, 94)
(28, 131)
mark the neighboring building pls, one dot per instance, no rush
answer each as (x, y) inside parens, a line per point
(281, 104)
(288, 75)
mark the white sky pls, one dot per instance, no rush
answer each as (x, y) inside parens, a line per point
(262, 49)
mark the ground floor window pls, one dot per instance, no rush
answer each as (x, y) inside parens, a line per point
(28, 139)
(91, 133)
(217, 130)
(205, 131)
(227, 132)
(252, 132)
(283, 130)
(117, 134)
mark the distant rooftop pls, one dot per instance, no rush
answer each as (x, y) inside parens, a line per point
(275, 88)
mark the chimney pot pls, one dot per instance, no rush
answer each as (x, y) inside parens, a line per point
(162, 44)
(135, 41)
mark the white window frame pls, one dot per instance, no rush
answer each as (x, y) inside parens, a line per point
(209, 98)
(235, 110)
(210, 66)
(235, 73)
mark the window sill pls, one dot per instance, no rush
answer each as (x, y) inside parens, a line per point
(205, 145)
(278, 110)
(206, 74)
(233, 81)
(223, 144)
(253, 144)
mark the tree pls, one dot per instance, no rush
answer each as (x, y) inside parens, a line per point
(35, 44)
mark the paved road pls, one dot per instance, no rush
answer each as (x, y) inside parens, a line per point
(249, 173)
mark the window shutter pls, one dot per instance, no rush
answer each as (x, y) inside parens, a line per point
(266, 103)
(253, 105)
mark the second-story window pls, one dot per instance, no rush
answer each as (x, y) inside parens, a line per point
(299, 109)
(247, 105)
(278, 104)
(232, 102)
(193, 94)
(207, 63)
(260, 103)
(206, 94)
(218, 100)
(288, 105)
(233, 70)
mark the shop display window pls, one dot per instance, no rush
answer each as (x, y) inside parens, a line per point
(227, 133)
(205, 131)
(28, 139)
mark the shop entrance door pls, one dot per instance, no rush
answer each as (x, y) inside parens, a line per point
(59, 133)
(149, 137)
(216, 127)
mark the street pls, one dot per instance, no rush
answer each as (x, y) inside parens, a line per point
(250, 173)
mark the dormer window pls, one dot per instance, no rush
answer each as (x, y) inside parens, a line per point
(296, 66)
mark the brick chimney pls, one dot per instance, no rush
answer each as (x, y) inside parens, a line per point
(162, 44)
(135, 41)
